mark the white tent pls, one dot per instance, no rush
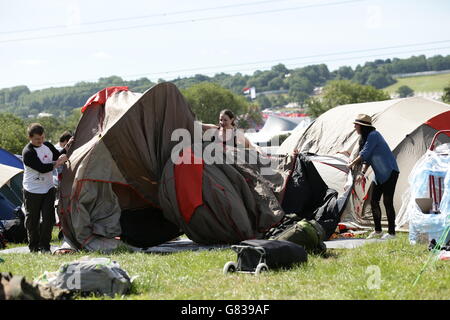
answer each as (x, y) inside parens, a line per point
(408, 126)
(7, 173)
(273, 127)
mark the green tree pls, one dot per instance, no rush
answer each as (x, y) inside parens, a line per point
(379, 79)
(314, 107)
(299, 88)
(52, 127)
(446, 95)
(405, 91)
(13, 136)
(340, 92)
(263, 101)
(251, 119)
(276, 84)
(280, 69)
(70, 122)
(278, 100)
(208, 99)
(343, 73)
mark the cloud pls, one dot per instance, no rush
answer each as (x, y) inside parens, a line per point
(101, 55)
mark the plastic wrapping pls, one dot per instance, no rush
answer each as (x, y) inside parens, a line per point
(429, 179)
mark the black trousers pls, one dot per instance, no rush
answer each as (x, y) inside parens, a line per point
(39, 233)
(386, 190)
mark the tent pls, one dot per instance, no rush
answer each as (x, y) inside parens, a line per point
(11, 218)
(408, 126)
(119, 161)
(122, 142)
(11, 176)
(274, 126)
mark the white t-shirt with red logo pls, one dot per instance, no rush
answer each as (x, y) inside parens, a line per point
(35, 181)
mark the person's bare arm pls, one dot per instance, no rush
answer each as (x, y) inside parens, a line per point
(206, 126)
(354, 162)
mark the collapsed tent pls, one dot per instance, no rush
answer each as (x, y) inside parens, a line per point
(219, 202)
(408, 126)
(122, 143)
(121, 153)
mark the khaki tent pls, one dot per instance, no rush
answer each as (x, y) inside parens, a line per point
(122, 142)
(120, 159)
(408, 126)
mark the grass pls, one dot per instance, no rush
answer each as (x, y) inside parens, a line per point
(343, 274)
(431, 83)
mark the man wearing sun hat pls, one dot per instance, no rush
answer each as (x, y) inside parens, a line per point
(375, 152)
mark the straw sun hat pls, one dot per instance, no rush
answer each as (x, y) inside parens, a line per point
(364, 120)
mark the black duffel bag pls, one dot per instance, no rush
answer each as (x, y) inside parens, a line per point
(276, 254)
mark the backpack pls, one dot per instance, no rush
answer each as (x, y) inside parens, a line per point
(89, 275)
(307, 233)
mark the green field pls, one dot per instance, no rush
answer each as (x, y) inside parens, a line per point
(342, 274)
(432, 83)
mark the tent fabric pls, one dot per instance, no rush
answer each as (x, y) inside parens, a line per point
(317, 201)
(403, 124)
(274, 126)
(117, 159)
(238, 204)
(11, 176)
(10, 167)
(290, 143)
(440, 122)
(188, 184)
(101, 96)
(7, 173)
(6, 209)
(305, 181)
(9, 159)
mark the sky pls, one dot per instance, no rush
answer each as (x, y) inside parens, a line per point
(55, 43)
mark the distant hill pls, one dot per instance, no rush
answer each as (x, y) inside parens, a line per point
(426, 83)
(296, 84)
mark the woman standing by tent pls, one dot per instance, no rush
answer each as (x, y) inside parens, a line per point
(227, 133)
(375, 152)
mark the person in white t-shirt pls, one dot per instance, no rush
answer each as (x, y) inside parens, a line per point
(40, 158)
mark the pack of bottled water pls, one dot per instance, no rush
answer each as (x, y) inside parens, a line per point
(429, 201)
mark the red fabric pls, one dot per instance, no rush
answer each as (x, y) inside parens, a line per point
(103, 95)
(440, 122)
(188, 184)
